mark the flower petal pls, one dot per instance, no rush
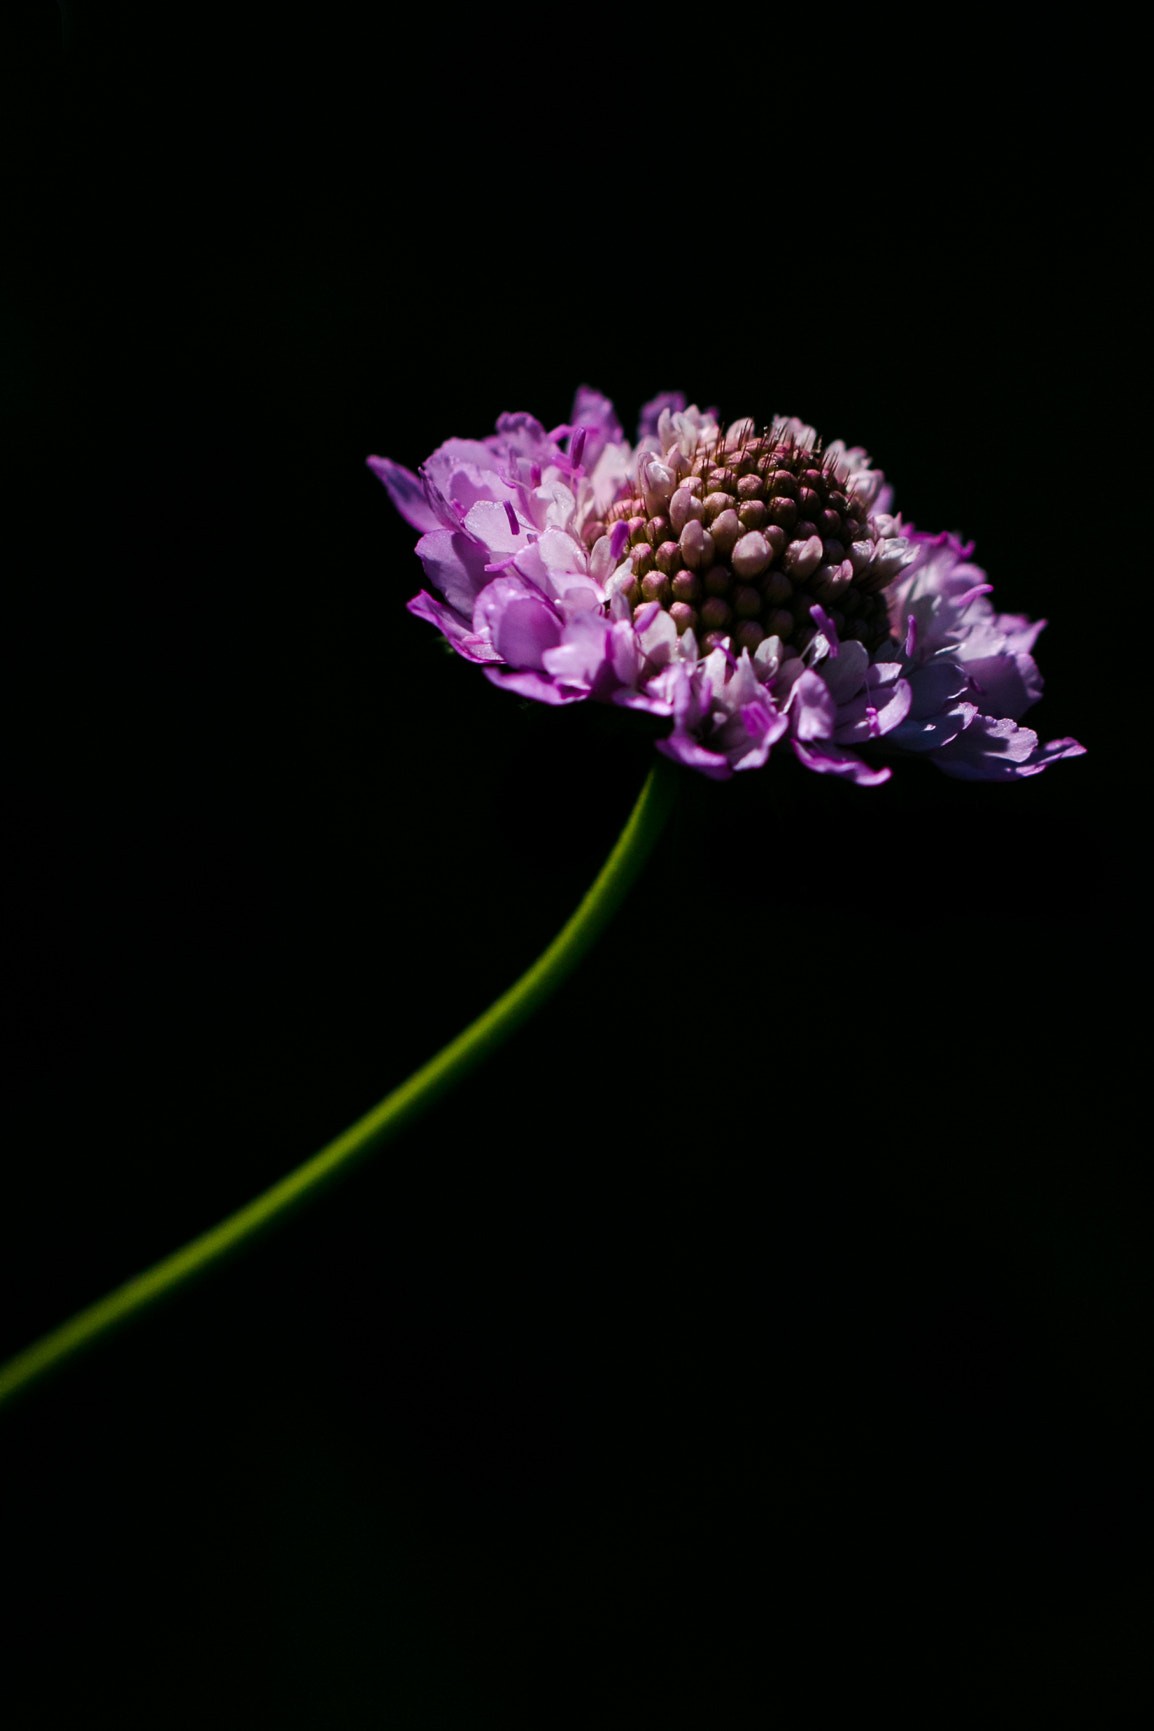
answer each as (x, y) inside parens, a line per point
(528, 683)
(812, 709)
(683, 748)
(472, 645)
(829, 760)
(1000, 750)
(521, 622)
(455, 565)
(1004, 684)
(406, 492)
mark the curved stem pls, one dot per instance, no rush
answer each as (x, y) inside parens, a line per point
(478, 1040)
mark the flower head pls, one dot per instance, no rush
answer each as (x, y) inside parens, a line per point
(753, 587)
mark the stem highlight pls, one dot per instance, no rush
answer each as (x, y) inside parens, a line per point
(481, 1038)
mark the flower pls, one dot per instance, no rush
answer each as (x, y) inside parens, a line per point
(754, 588)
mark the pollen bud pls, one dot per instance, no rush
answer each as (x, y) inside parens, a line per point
(726, 530)
(696, 545)
(830, 580)
(740, 433)
(716, 613)
(802, 558)
(657, 483)
(891, 556)
(751, 555)
(684, 507)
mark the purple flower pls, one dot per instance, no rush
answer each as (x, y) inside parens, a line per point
(969, 669)
(752, 587)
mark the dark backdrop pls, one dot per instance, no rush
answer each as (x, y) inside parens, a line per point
(766, 1329)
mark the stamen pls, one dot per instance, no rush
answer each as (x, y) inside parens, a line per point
(972, 594)
(827, 628)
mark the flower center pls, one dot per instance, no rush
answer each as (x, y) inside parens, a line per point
(753, 532)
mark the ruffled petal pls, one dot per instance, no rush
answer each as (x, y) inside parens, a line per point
(520, 621)
(406, 492)
(455, 565)
(813, 712)
(1004, 684)
(1000, 750)
(683, 748)
(584, 657)
(928, 733)
(874, 712)
(831, 760)
(528, 683)
(596, 415)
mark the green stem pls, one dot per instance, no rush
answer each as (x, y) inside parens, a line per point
(478, 1040)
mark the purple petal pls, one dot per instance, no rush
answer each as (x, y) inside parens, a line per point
(528, 683)
(827, 628)
(496, 527)
(521, 622)
(651, 413)
(812, 708)
(764, 723)
(682, 748)
(873, 712)
(455, 565)
(935, 686)
(929, 733)
(599, 418)
(522, 435)
(584, 657)
(846, 676)
(1000, 750)
(1005, 684)
(828, 760)
(406, 492)
(465, 641)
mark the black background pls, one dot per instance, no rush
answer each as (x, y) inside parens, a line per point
(766, 1329)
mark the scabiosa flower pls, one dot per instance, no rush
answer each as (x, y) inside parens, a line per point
(754, 588)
